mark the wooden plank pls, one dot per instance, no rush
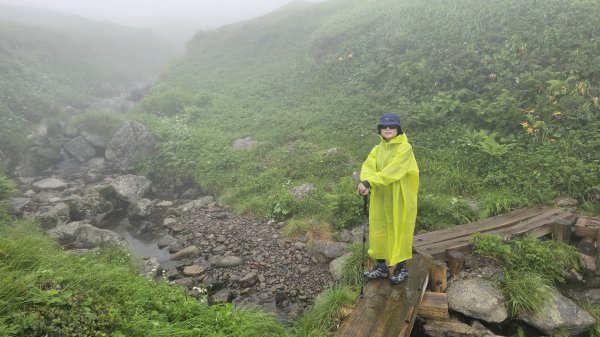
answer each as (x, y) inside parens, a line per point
(368, 309)
(434, 305)
(538, 225)
(495, 222)
(402, 301)
(414, 310)
(385, 309)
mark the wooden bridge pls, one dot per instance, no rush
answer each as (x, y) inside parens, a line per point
(390, 310)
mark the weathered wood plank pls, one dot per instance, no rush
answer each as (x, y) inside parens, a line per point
(434, 305)
(495, 222)
(386, 310)
(538, 225)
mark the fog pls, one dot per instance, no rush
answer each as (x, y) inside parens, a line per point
(173, 19)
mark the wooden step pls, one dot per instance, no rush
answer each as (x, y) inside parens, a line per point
(434, 305)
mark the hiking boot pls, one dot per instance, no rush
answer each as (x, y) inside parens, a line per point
(379, 272)
(400, 274)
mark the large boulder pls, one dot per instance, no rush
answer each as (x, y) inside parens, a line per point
(131, 143)
(131, 188)
(82, 235)
(477, 298)
(560, 314)
(325, 251)
(80, 149)
(49, 184)
(92, 207)
(44, 157)
(52, 216)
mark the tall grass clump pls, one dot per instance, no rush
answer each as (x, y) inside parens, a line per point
(531, 267)
(352, 267)
(320, 319)
(47, 292)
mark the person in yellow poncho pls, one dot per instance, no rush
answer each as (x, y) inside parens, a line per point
(390, 173)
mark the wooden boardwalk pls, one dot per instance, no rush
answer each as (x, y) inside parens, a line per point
(536, 221)
(389, 310)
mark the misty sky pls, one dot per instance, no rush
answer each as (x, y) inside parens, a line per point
(149, 13)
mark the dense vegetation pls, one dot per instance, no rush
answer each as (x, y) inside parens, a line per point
(500, 101)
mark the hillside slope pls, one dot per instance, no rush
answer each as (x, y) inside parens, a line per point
(500, 99)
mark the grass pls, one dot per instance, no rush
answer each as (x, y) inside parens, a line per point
(531, 268)
(45, 291)
(526, 292)
(321, 318)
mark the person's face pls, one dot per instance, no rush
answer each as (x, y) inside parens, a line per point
(388, 132)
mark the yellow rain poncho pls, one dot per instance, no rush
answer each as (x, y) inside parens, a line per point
(393, 175)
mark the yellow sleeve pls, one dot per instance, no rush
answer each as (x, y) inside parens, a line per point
(403, 163)
(369, 166)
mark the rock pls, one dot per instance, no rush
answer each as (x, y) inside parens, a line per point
(16, 206)
(92, 176)
(130, 187)
(189, 252)
(97, 163)
(336, 265)
(451, 328)
(567, 202)
(325, 251)
(140, 209)
(560, 314)
(44, 157)
(587, 263)
(165, 240)
(49, 184)
(131, 143)
(52, 216)
(185, 282)
(95, 140)
(221, 296)
(164, 204)
(226, 261)
(248, 280)
(92, 207)
(244, 143)
(331, 151)
(302, 191)
(80, 149)
(193, 270)
(150, 268)
(477, 298)
(195, 205)
(82, 235)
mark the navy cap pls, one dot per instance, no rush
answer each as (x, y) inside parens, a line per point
(389, 118)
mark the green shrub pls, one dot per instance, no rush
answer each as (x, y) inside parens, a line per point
(546, 258)
(438, 211)
(7, 187)
(498, 202)
(102, 123)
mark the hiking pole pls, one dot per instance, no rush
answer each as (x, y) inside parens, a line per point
(364, 242)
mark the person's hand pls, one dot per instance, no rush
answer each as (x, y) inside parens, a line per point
(362, 189)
